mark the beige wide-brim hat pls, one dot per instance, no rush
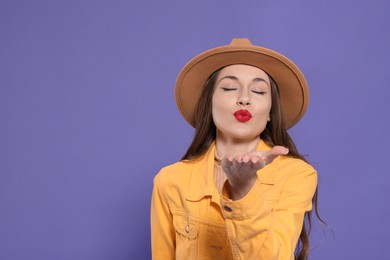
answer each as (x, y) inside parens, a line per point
(293, 90)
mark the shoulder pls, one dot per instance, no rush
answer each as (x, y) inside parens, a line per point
(294, 168)
(177, 173)
(290, 163)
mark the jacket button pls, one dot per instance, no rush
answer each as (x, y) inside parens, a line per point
(187, 229)
(227, 209)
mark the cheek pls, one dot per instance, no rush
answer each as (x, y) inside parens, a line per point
(219, 112)
(264, 111)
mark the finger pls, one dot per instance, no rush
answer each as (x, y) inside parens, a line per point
(230, 158)
(246, 158)
(238, 159)
(252, 162)
(275, 152)
(227, 161)
(258, 164)
(279, 150)
(255, 159)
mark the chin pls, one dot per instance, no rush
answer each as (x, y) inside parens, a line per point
(244, 136)
(240, 132)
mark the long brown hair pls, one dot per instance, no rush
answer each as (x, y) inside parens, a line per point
(275, 133)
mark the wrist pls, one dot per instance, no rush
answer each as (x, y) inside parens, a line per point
(239, 190)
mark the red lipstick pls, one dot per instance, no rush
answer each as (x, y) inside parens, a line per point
(243, 115)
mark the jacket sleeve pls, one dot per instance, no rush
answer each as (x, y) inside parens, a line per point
(255, 228)
(162, 231)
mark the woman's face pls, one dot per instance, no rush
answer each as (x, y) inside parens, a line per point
(241, 102)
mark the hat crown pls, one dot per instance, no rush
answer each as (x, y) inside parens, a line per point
(240, 41)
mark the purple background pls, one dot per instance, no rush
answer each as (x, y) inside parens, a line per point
(87, 116)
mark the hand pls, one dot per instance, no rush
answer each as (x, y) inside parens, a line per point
(241, 170)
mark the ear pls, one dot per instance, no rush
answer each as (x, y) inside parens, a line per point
(269, 118)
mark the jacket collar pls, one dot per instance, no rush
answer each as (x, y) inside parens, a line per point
(202, 175)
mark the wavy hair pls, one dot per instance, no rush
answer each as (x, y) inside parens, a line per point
(275, 133)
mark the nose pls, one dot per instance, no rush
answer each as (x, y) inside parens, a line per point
(243, 102)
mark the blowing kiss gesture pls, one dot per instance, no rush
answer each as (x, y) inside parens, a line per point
(241, 170)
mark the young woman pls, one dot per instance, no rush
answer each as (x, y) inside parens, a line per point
(242, 190)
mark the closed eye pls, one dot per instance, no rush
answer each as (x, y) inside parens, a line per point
(229, 89)
(259, 92)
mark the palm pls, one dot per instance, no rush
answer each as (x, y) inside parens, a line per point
(241, 170)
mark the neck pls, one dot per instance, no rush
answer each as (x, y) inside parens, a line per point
(231, 146)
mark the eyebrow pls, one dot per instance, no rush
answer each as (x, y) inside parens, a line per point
(236, 79)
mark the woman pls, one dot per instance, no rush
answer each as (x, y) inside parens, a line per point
(242, 190)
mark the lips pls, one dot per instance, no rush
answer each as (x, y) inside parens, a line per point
(243, 115)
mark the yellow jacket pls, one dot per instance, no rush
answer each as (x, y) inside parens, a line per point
(191, 220)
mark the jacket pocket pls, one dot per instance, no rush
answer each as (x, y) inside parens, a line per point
(186, 237)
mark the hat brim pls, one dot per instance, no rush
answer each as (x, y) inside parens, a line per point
(292, 86)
